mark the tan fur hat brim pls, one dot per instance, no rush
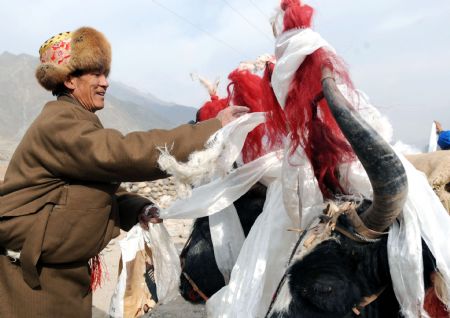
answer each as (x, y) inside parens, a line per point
(90, 51)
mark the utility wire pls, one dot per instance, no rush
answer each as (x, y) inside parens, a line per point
(241, 54)
(260, 11)
(248, 21)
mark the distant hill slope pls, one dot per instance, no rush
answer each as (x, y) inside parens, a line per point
(126, 109)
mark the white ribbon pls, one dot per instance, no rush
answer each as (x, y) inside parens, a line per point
(423, 217)
(221, 151)
(227, 237)
(291, 49)
(221, 193)
(260, 264)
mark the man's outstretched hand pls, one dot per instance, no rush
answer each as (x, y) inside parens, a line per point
(231, 113)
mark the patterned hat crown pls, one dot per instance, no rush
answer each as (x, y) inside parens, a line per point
(57, 49)
(85, 49)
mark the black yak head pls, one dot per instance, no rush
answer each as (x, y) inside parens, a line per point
(339, 273)
(198, 261)
(333, 279)
(339, 277)
(325, 281)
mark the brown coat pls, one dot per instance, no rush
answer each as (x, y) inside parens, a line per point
(60, 203)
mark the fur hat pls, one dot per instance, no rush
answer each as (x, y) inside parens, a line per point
(85, 49)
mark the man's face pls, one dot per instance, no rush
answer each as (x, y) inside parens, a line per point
(89, 89)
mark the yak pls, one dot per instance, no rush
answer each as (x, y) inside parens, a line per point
(201, 277)
(346, 272)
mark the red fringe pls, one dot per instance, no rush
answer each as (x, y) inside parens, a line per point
(212, 108)
(276, 123)
(296, 15)
(95, 266)
(311, 125)
(434, 307)
(245, 89)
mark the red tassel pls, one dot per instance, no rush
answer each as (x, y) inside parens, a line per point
(296, 15)
(434, 307)
(96, 270)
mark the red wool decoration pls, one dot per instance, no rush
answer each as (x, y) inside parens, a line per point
(433, 306)
(296, 15)
(311, 124)
(276, 124)
(95, 268)
(212, 108)
(247, 92)
(244, 89)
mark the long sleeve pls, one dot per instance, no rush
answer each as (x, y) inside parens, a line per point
(80, 148)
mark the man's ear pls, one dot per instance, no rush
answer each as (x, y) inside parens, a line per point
(70, 82)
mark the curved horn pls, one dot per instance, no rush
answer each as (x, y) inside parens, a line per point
(385, 170)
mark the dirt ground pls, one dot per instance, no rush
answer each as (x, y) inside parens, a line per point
(179, 231)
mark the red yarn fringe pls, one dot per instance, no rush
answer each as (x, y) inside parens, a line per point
(96, 270)
(276, 123)
(296, 15)
(434, 307)
(244, 89)
(311, 124)
(247, 92)
(212, 108)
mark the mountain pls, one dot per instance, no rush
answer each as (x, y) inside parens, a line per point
(126, 109)
(173, 113)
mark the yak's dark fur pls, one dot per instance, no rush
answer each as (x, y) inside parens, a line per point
(337, 274)
(199, 261)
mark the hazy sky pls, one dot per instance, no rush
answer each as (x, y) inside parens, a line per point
(398, 51)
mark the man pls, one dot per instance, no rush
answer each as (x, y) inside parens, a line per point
(60, 201)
